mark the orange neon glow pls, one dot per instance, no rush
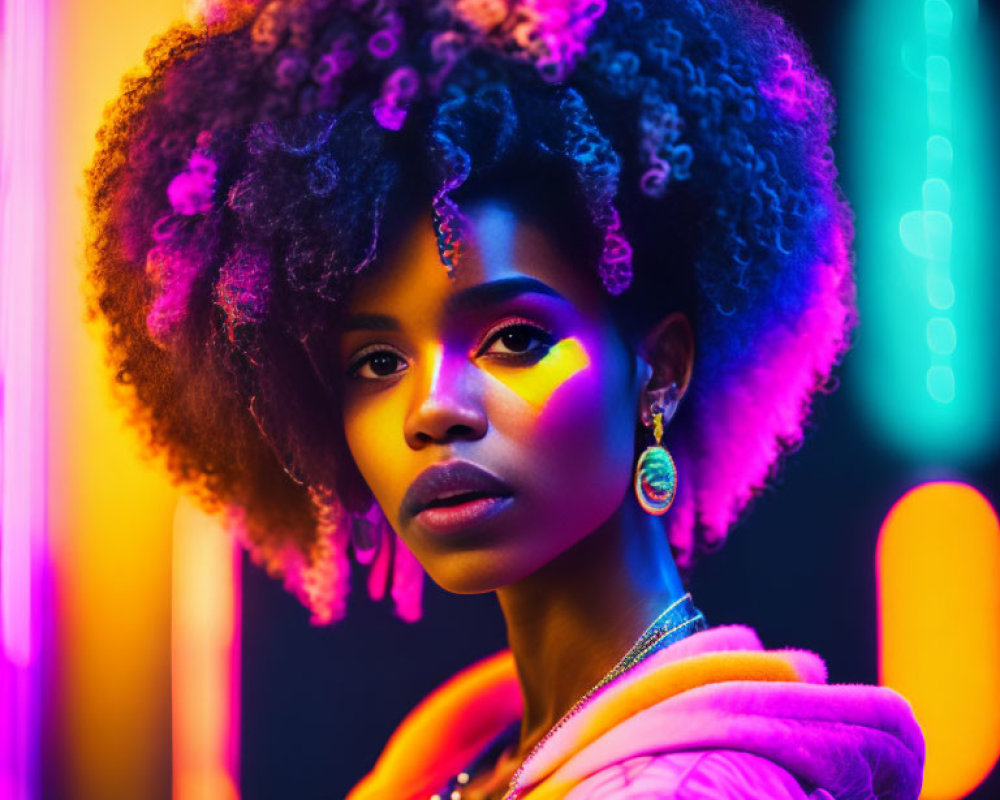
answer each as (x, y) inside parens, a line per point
(536, 385)
(205, 654)
(938, 572)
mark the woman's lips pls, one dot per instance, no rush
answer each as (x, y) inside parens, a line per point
(443, 484)
(448, 518)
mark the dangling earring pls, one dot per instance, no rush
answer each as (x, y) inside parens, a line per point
(656, 474)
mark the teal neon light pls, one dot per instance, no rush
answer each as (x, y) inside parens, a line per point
(921, 174)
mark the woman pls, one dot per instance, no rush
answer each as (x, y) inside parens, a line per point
(532, 296)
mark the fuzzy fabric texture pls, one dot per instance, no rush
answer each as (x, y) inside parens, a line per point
(713, 715)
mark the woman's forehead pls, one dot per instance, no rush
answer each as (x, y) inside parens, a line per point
(500, 245)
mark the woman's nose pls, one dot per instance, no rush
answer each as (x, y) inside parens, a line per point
(448, 405)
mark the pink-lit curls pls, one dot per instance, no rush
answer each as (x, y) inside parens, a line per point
(389, 115)
(402, 84)
(173, 272)
(391, 555)
(320, 579)
(171, 268)
(243, 290)
(484, 15)
(661, 128)
(398, 90)
(615, 267)
(268, 28)
(326, 579)
(447, 47)
(384, 42)
(291, 69)
(556, 33)
(378, 573)
(788, 88)
(191, 191)
(768, 404)
(448, 227)
(454, 165)
(342, 55)
(407, 583)
(597, 167)
(550, 34)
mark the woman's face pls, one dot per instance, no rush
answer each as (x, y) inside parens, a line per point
(514, 367)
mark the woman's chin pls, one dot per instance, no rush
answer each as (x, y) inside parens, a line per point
(475, 572)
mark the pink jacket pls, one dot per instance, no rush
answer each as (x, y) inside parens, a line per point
(711, 716)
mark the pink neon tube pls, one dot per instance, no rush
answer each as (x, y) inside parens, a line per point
(22, 389)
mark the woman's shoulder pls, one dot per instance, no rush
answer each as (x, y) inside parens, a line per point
(694, 775)
(714, 715)
(718, 715)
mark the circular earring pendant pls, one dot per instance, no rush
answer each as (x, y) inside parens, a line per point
(655, 480)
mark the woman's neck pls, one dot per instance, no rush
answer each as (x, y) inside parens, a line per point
(570, 622)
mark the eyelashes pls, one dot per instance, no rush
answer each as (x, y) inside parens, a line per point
(509, 335)
(514, 327)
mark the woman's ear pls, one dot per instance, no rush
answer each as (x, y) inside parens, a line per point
(668, 354)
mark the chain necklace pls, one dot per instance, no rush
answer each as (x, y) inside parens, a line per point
(658, 629)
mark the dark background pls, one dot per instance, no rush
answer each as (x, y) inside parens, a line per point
(320, 702)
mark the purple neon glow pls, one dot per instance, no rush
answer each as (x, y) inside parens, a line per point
(22, 389)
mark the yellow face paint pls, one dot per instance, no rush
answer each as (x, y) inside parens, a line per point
(536, 384)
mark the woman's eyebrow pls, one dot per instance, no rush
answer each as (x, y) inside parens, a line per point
(479, 296)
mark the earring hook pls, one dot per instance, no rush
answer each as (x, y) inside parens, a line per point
(663, 401)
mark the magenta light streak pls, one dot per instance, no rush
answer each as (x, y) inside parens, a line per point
(22, 353)
(22, 390)
(236, 670)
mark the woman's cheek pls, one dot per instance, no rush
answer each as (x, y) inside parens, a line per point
(374, 432)
(561, 400)
(538, 384)
(583, 429)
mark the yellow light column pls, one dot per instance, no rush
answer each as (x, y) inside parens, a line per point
(205, 654)
(110, 512)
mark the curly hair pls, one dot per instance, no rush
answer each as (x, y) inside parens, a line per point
(254, 168)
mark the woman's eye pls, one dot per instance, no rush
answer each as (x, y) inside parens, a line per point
(516, 342)
(380, 364)
(520, 342)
